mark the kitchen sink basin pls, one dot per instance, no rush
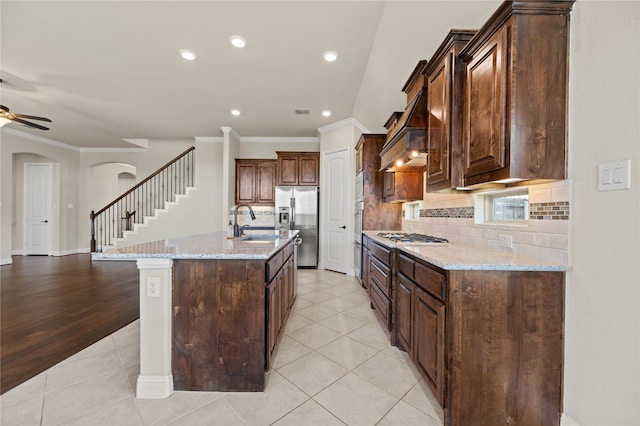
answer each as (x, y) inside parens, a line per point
(260, 238)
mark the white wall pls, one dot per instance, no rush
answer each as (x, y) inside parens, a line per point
(268, 149)
(65, 192)
(602, 323)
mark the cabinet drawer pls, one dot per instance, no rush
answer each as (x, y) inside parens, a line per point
(381, 275)
(380, 252)
(274, 264)
(288, 251)
(430, 280)
(406, 266)
(381, 304)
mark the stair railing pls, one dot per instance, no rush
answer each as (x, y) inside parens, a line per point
(152, 193)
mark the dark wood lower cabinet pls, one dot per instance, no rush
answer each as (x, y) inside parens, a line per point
(428, 348)
(488, 343)
(228, 316)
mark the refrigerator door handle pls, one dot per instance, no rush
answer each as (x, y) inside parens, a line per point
(292, 203)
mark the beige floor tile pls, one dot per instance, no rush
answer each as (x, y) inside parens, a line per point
(312, 372)
(309, 414)
(347, 352)
(103, 345)
(360, 297)
(289, 350)
(26, 412)
(421, 397)
(342, 323)
(300, 303)
(32, 388)
(314, 335)
(372, 335)
(403, 414)
(73, 401)
(127, 335)
(316, 297)
(296, 321)
(399, 354)
(123, 412)
(338, 304)
(76, 370)
(340, 290)
(163, 411)
(394, 376)
(215, 413)
(316, 312)
(362, 311)
(264, 408)
(356, 401)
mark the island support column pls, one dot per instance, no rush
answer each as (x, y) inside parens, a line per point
(155, 380)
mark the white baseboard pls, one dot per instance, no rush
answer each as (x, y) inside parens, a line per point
(154, 387)
(567, 421)
(8, 261)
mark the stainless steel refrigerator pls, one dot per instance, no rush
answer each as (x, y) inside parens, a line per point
(297, 208)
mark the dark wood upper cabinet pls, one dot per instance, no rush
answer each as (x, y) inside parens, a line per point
(255, 181)
(401, 187)
(298, 169)
(515, 94)
(444, 76)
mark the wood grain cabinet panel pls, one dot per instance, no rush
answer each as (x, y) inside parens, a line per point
(255, 181)
(298, 169)
(444, 76)
(515, 102)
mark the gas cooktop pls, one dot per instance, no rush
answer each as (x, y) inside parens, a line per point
(401, 237)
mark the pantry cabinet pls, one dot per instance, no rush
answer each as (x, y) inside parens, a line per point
(255, 181)
(298, 169)
(515, 94)
(444, 76)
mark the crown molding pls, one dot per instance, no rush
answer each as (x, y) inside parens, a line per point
(343, 123)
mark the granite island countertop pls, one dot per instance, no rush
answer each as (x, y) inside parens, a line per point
(454, 256)
(213, 245)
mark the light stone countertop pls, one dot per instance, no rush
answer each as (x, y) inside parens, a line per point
(453, 256)
(213, 245)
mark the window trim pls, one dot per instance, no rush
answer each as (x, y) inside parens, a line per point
(484, 210)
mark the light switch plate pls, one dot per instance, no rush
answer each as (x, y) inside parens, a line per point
(614, 176)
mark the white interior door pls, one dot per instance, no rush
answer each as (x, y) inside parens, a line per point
(337, 216)
(37, 208)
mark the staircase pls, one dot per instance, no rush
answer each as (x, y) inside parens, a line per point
(157, 226)
(127, 219)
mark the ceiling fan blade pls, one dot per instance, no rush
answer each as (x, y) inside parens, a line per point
(4, 108)
(32, 117)
(26, 123)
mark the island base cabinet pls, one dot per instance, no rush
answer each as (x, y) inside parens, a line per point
(506, 348)
(218, 325)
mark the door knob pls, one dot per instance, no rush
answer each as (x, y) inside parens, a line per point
(343, 227)
(45, 221)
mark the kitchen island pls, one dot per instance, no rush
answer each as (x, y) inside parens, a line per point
(485, 328)
(212, 309)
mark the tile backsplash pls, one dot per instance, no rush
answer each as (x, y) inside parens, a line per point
(265, 216)
(545, 235)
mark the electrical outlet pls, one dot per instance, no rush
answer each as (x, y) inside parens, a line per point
(153, 287)
(505, 241)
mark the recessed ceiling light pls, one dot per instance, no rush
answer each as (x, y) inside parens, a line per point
(330, 56)
(326, 113)
(189, 55)
(238, 41)
(235, 112)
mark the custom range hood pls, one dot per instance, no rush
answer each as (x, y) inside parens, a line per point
(406, 144)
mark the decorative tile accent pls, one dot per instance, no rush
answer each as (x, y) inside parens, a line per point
(458, 212)
(558, 210)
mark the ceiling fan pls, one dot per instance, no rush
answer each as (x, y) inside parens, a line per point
(6, 117)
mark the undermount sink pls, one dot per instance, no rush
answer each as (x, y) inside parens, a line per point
(260, 238)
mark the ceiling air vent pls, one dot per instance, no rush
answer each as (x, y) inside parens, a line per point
(302, 111)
